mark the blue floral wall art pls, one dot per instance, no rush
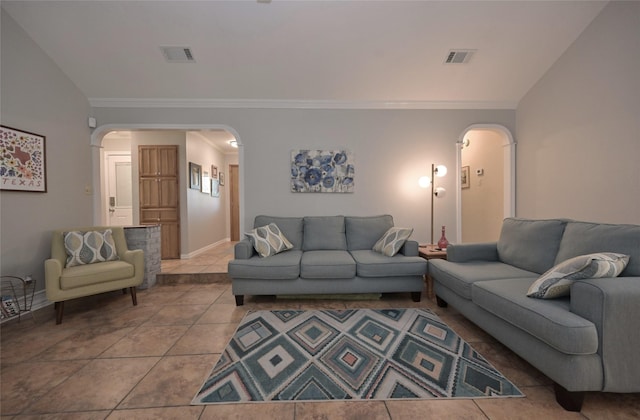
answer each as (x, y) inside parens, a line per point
(322, 171)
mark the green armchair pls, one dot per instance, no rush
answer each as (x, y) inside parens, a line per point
(63, 282)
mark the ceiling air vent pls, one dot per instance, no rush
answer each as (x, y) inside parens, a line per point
(459, 56)
(178, 54)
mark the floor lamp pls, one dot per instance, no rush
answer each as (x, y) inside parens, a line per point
(425, 181)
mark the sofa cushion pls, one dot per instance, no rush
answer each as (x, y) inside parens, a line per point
(550, 321)
(327, 264)
(586, 238)
(268, 240)
(530, 244)
(291, 227)
(88, 274)
(285, 265)
(324, 232)
(373, 264)
(89, 247)
(364, 232)
(392, 240)
(557, 281)
(459, 277)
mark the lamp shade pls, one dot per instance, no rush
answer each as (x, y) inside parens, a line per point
(424, 181)
(441, 170)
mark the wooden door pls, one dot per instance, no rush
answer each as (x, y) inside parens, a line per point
(234, 201)
(159, 195)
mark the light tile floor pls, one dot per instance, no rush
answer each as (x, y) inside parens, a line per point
(111, 360)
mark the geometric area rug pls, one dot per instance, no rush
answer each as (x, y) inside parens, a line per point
(353, 354)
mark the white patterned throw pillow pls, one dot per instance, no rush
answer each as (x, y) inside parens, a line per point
(89, 247)
(268, 240)
(556, 282)
(391, 242)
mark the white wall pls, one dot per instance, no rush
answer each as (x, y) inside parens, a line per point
(38, 97)
(206, 215)
(392, 148)
(578, 129)
(483, 201)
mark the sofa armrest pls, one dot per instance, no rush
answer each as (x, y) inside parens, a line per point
(485, 251)
(52, 274)
(136, 258)
(613, 305)
(243, 250)
(409, 249)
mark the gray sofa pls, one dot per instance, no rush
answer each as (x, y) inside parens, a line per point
(331, 254)
(587, 341)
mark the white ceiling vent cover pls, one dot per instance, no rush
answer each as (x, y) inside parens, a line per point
(178, 54)
(459, 56)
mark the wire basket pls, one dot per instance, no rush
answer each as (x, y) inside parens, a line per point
(17, 296)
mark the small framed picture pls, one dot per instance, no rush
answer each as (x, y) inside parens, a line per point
(221, 177)
(206, 183)
(214, 172)
(464, 177)
(195, 173)
(215, 188)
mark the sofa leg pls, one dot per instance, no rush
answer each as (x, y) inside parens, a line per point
(441, 302)
(134, 296)
(569, 400)
(415, 296)
(239, 300)
(59, 306)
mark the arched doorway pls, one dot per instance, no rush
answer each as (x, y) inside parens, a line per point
(99, 203)
(508, 170)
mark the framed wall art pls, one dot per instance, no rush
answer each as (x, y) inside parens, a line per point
(195, 173)
(464, 177)
(221, 178)
(322, 171)
(23, 164)
(214, 172)
(215, 188)
(206, 183)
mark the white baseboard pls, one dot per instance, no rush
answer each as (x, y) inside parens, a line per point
(39, 301)
(204, 249)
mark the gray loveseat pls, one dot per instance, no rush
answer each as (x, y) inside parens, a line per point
(330, 254)
(587, 341)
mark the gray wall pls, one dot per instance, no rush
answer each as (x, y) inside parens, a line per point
(392, 149)
(38, 97)
(578, 128)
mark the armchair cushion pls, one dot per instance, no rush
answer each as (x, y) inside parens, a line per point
(85, 275)
(89, 247)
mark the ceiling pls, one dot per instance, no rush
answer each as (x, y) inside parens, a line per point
(335, 54)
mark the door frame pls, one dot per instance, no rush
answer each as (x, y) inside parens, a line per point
(98, 166)
(509, 159)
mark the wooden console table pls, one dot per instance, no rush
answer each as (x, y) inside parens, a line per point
(431, 252)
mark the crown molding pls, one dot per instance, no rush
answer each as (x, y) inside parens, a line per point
(294, 104)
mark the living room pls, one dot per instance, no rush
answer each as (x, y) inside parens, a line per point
(574, 126)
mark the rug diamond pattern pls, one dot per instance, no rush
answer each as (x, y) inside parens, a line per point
(354, 354)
